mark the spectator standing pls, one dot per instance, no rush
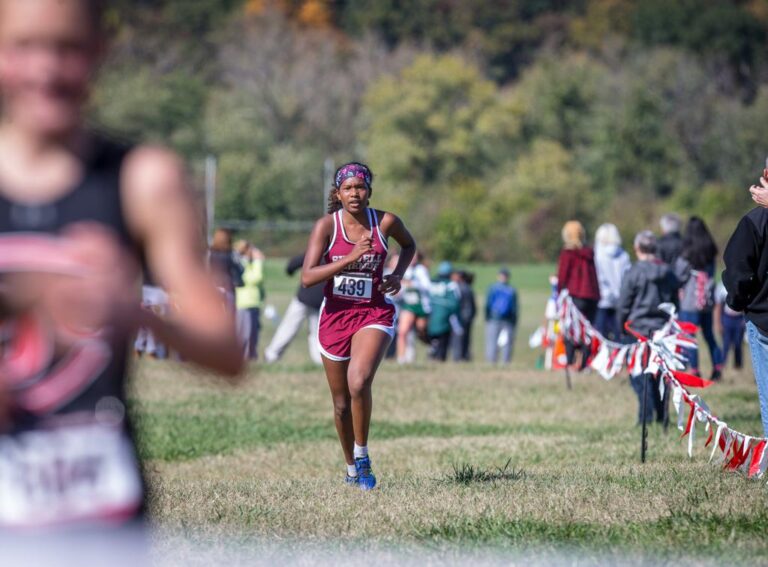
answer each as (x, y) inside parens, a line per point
(227, 273)
(697, 296)
(500, 318)
(444, 299)
(648, 283)
(576, 272)
(414, 315)
(611, 263)
(670, 245)
(731, 326)
(249, 297)
(155, 300)
(746, 266)
(397, 299)
(305, 305)
(461, 342)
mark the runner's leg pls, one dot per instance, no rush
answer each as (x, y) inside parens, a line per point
(368, 349)
(405, 323)
(336, 373)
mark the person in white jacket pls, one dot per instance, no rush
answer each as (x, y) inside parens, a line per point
(611, 262)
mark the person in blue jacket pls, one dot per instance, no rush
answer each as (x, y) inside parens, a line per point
(500, 319)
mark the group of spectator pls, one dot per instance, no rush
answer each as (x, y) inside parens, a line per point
(239, 269)
(239, 275)
(441, 310)
(678, 268)
(438, 311)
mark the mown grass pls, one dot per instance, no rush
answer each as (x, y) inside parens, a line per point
(260, 463)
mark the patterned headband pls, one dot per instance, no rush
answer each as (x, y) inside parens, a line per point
(354, 170)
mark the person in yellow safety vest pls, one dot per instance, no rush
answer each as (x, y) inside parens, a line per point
(249, 298)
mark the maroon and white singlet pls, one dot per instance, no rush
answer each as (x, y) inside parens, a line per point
(352, 298)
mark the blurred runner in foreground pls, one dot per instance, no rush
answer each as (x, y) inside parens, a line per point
(79, 215)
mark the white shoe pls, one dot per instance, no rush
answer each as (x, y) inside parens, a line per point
(270, 358)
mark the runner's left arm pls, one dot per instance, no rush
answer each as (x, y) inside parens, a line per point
(392, 226)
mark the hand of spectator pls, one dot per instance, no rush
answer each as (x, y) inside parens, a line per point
(760, 193)
(257, 254)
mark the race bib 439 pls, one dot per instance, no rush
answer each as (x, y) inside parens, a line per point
(353, 286)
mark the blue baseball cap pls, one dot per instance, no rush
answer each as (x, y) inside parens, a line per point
(445, 268)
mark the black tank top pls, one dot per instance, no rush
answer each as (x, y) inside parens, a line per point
(70, 443)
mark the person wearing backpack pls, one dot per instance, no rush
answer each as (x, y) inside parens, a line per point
(697, 296)
(500, 319)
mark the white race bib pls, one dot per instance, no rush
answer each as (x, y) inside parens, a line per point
(353, 286)
(67, 474)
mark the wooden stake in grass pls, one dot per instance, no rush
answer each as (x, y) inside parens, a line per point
(643, 409)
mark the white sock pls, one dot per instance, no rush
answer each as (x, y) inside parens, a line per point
(351, 470)
(361, 452)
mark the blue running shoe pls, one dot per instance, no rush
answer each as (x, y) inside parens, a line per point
(365, 478)
(351, 480)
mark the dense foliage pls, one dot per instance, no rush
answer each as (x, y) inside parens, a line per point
(488, 123)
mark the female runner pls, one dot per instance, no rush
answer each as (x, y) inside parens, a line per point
(357, 320)
(78, 215)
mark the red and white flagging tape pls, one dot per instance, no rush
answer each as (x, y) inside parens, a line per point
(660, 355)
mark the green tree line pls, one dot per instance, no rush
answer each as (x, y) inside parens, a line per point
(487, 123)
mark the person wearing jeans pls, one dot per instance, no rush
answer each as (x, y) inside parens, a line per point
(704, 320)
(758, 346)
(745, 278)
(500, 319)
(249, 297)
(731, 326)
(696, 266)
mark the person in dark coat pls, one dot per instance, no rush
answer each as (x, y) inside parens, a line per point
(305, 305)
(745, 278)
(227, 272)
(461, 342)
(648, 283)
(670, 245)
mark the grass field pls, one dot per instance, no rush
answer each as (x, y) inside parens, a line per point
(469, 457)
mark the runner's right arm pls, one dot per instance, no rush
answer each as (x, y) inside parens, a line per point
(313, 272)
(161, 215)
